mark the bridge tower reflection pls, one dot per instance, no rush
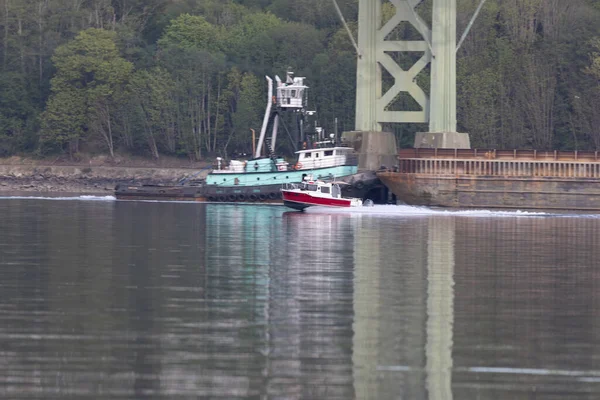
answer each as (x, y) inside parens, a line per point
(440, 307)
(403, 344)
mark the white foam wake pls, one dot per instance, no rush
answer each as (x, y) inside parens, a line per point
(407, 211)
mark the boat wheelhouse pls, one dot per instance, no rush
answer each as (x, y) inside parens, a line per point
(325, 157)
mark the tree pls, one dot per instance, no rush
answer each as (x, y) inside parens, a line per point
(190, 50)
(246, 106)
(90, 73)
(18, 116)
(193, 31)
(64, 121)
(318, 13)
(151, 92)
(594, 68)
(525, 77)
(251, 42)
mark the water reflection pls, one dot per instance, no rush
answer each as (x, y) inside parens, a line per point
(476, 308)
(403, 312)
(163, 300)
(527, 292)
(440, 307)
(312, 297)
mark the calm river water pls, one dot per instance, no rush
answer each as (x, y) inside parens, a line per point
(104, 299)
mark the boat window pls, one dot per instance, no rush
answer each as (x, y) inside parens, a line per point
(293, 93)
(306, 155)
(328, 152)
(316, 155)
(312, 188)
(325, 189)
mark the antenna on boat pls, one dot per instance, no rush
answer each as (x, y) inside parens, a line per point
(319, 133)
(335, 128)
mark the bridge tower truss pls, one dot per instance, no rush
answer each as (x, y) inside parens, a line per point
(438, 47)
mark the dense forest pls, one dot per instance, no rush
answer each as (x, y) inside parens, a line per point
(186, 77)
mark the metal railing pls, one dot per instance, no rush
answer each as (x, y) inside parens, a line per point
(514, 168)
(494, 154)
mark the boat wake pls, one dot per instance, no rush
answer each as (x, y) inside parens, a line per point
(409, 211)
(80, 198)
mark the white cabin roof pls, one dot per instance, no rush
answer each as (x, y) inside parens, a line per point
(322, 149)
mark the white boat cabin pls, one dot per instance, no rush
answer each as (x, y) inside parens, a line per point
(323, 157)
(328, 189)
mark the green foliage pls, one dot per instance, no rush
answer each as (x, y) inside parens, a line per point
(523, 71)
(318, 13)
(18, 117)
(186, 77)
(595, 4)
(479, 109)
(90, 72)
(151, 94)
(251, 41)
(192, 31)
(594, 68)
(248, 110)
(64, 120)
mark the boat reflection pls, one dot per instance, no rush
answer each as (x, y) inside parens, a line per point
(312, 295)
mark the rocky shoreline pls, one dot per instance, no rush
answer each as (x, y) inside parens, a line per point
(84, 180)
(54, 185)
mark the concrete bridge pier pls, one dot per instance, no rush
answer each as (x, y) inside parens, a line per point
(375, 149)
(442, 121)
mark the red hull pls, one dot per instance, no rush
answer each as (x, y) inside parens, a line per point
(300, 201)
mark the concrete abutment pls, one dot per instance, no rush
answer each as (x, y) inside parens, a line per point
(375, 149)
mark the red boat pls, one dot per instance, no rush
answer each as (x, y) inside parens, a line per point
(309, 193)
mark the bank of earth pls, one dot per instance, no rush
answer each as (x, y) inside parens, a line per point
(94, 176)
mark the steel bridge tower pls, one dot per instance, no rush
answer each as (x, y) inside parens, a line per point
(438, 46)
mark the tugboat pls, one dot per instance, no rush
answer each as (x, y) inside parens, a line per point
(318, 193)
(260, 178)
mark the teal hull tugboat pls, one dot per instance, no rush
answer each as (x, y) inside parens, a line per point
(261, 178)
